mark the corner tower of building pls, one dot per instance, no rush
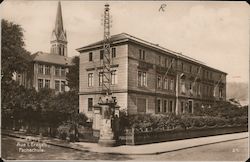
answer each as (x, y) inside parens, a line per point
(59, 38)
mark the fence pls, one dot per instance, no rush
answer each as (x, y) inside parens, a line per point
(136, 138)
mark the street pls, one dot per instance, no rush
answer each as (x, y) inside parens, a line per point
(235, 150)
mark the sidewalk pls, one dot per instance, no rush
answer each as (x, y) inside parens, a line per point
(156, 148)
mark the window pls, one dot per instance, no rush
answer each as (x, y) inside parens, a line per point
(113, 77)
(90, 104)
(190, 87)
(182, 66)
(40, 84)
(158, 105)
(57, 85)
(101, 54)
(220, 93)
(159, 82)
(57, 71)
(190, 68)
(90, 56)
(190, 106)
(141, 54)
(47, 83)
(165, 103)
(47, 70)
(90, 80)
(139, 78)
(198, 89)
(142, 78)
(166, 62)
(40, 69)
(172, 85)
(141, 105)
(100, 78)
(63, 72)
(165, 83)
(182, 107)
(113, 52)
(171, 106)
(62, 86)
(159, 60)
(183, 88)
(62, 50)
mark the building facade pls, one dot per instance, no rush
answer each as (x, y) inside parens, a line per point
(147, 78)
(48, 70)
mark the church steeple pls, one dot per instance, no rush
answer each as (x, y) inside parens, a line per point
(59, 20)
(59, 37)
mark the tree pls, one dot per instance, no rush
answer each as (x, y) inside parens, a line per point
(14, 57)
(73, 75)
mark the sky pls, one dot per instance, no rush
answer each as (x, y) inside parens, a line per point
(216, 33)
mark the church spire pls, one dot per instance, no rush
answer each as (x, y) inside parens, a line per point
(59, 37)
(59, 20)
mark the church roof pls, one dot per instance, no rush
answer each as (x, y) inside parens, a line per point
(51, 58)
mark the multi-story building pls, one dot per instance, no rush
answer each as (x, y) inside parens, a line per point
(48, 70)
(147, 78)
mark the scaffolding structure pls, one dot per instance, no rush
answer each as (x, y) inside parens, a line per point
(106, 70)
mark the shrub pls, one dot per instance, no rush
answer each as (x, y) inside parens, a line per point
(64, 130)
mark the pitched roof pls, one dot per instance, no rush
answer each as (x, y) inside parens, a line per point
(123, 37)
(51, 58)
(127, 37)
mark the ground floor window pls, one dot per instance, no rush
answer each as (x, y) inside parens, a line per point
(190, 106)
(141, 105)
(158, 105)
(220, 93)
(182, 107)
(62, 86)
(90, 104)
(40, 83)
(165, 106)
(171, 109)
(47, 83)
(57, 85)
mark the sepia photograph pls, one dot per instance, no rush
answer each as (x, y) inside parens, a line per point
(124, 80)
